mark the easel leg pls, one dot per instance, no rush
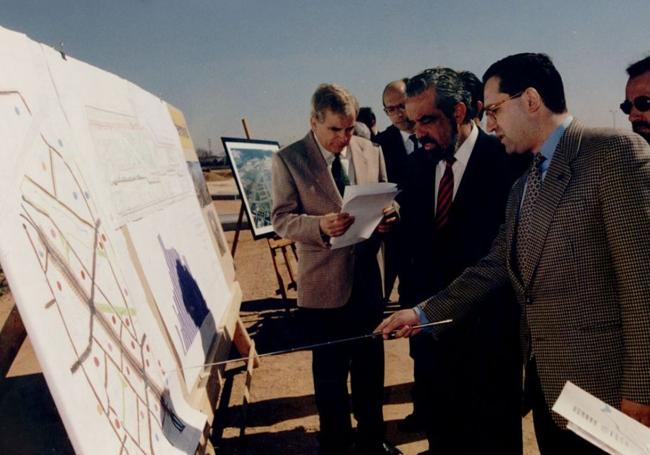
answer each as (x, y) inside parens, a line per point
(237, 229)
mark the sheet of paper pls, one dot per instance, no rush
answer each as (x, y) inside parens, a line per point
(366, 204)
(600, 424)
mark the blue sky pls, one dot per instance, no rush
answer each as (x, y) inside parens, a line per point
(219, 61)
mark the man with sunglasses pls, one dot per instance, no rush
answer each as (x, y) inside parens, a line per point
(575, 247)
(637, 97)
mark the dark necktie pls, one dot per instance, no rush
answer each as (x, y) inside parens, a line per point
(445, 195)
(533, 185)
(340, 179)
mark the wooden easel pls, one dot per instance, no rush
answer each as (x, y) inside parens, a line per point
(276, 245)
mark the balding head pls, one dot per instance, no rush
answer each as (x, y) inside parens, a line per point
(393, 98)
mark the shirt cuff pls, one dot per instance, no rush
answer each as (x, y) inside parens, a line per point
(420, 314)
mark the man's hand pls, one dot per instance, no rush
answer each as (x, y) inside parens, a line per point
(401, 323)
(388, 221)
(335, 224)
(637, 411)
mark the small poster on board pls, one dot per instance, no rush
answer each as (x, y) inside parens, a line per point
(251, 165)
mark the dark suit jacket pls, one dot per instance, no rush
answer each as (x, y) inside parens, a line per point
(588, 297)
(437, 258)
(395, 155)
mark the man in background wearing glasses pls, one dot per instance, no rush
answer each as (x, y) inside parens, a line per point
(575, 247)
(637, 97)
(397, 142)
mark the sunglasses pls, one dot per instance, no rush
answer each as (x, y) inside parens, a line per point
(641, 103)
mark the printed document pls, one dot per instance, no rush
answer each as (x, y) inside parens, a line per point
(600, 424)
(366, 203)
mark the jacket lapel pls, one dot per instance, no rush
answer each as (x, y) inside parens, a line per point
(513, 211)
(316, 166)
(360, 163)
(555, 182)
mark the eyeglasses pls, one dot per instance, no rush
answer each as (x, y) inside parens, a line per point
(642, 104)
(491, 111)
(394, 109)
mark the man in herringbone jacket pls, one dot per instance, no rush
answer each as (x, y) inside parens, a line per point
(575, 247)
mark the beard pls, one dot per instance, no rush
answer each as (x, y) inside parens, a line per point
(438, 151)
(642, 128)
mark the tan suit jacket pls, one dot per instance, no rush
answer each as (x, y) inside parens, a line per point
(303, 191)
(588, 298)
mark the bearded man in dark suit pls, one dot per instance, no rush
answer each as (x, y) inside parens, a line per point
(455, 189)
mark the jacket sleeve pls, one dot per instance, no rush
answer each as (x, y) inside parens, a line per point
(473, 286)
(287, 216)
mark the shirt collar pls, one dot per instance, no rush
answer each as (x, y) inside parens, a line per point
(465, 150)
(549, 145)
(327, 155)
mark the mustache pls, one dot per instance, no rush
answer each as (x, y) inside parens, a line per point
(637, 125)
(428, 140)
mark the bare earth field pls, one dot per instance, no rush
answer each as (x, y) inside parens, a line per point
(281, 418)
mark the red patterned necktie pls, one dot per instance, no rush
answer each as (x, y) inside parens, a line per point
(445, 195)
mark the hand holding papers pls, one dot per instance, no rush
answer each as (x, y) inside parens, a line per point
(366, 204)
(600, 424)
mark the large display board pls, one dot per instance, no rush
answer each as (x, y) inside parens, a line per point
(107, 250)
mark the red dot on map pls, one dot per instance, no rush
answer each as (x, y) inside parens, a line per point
(96, 361)
(103, 237)
(132, 345)
(83, 275)
(128, 323)
(128, 371)
(58, 285)
(147, 346)
(114, 319)
(117, 424)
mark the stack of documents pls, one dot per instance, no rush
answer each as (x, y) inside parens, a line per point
(600, 424)
(366, 203)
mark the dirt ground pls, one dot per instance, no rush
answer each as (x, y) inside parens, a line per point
(281, 417)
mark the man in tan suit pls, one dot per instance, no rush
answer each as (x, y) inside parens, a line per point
(575, 247)
(339, 290)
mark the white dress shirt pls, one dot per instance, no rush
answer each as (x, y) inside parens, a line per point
(408, 143)
(458, 168)
(346, 161)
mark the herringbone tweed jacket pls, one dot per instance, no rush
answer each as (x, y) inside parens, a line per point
(587, 299)
(303, 190)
